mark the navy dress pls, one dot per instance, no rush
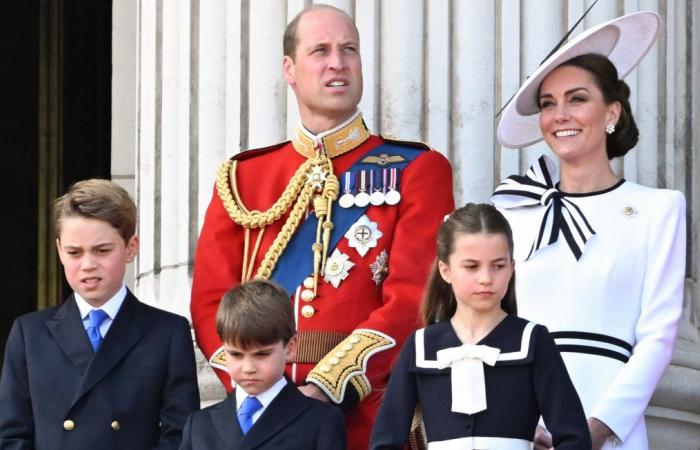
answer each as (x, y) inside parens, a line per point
(528, 380)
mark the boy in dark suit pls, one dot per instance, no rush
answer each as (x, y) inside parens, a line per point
(102, 370)
(255, 321)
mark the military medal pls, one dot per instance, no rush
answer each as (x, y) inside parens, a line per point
(337, 267)
(392, 197)
(363, 235)
(380, 267)
(362, 197)
(347, 200)
(377, 196)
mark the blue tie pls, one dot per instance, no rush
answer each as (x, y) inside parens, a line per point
(96, 316)
(250, 406)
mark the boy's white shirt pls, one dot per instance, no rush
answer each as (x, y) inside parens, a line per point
(111, 307)
(264, 397)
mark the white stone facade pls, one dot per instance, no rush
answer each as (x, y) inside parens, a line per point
(195, 81)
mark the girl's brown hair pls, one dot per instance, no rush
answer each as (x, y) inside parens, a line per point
(439, 302)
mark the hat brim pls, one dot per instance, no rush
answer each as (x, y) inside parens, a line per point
(624, 40)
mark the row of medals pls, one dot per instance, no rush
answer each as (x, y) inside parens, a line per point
(373, 186)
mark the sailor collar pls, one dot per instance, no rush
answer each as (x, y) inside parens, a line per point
(513, 336)
(341, 139)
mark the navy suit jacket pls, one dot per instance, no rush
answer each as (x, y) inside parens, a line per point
(292, 421)
(134, 393)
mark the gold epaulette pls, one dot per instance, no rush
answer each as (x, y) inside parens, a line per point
(347, 363)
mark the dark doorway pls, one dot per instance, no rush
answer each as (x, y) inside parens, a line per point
(55, 102)
(19, 134)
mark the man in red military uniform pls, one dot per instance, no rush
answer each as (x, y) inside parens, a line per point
(344, 220)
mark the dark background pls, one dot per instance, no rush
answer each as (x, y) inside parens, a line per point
(82, 30)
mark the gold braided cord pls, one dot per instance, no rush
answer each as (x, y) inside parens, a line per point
(246, 244)
(234, 184)
(331, 188)
(256, 219)
(254, 254)
(330, 193)
(302, 189)
(282, 239)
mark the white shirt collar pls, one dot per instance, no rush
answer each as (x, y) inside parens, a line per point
(318, 137)
(264, 397)
(111, 307)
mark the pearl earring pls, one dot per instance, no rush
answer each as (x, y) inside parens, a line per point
(610, 128)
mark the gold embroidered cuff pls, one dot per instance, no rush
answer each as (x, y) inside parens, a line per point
(218, 359)
(347, 363)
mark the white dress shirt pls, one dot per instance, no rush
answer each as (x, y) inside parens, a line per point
(111, 307)
(264, 397)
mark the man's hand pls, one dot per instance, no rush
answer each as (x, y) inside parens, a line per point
(599, 432)
(313, 391)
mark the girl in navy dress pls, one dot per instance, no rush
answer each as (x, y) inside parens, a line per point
(480, 376)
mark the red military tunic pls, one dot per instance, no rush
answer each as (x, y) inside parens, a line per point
(349, 335)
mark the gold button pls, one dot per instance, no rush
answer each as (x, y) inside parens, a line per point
(309, 283)
(307, 295)
(115, 425)
(354, 339)
(347, 347)
(340, 354)
(325, 368)
(308, 311)
(68, 425)
(333, 361)
(629, 210)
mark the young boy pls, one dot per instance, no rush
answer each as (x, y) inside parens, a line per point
(255, 321)
(102, 370)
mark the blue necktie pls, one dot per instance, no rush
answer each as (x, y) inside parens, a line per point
(250, 406)
(96, 317)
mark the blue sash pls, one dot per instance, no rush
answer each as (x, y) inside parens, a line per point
(296, 262)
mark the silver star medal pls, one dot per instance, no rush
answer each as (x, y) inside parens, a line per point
(380, 267)
(337, 267)
(363, 235)
(316, 178)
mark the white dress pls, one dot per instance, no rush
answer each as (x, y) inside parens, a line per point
(614, 312)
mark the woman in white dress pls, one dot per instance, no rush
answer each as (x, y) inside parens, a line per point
(600, 260)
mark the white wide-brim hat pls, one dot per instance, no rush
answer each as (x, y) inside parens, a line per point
(624, 40)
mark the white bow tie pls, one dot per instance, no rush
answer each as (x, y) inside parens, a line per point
(467, 374)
